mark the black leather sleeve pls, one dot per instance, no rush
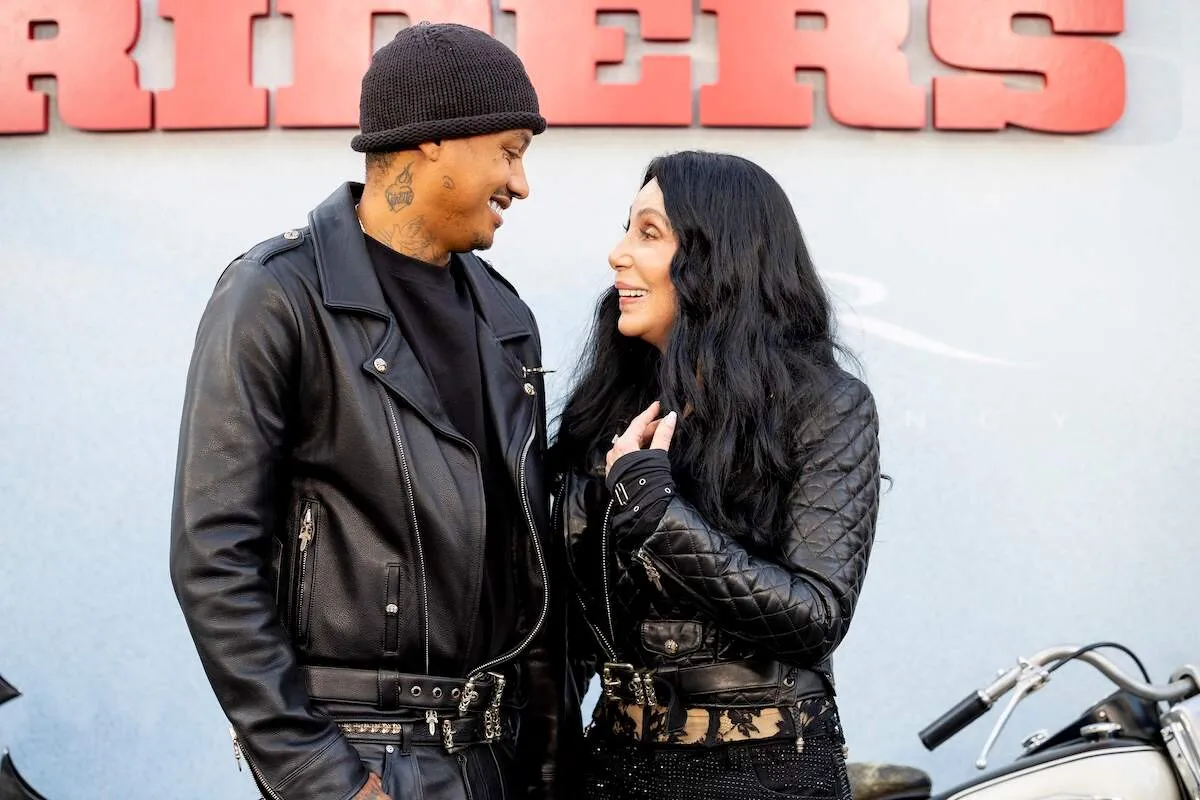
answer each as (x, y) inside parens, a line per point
(232, 439)
(797, 602)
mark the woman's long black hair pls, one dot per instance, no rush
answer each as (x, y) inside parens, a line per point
(751, 345)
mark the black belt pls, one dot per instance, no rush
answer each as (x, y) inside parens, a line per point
(449, 732)
(703, 685)
(391, 691)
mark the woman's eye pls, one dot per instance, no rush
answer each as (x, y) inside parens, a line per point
(649, 233)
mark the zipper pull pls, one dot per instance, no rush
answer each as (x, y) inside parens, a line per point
(527, 371)
(431, 717)
(651, 571)
(237, 748)
(306, 529)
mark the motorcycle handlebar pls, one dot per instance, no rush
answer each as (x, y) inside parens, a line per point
(977, 703)
(969, 709)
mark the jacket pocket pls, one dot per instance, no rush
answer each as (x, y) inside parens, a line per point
(391, 611)
(672, 638)
(308, 527)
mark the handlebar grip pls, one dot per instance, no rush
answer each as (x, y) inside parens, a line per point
(971, 708)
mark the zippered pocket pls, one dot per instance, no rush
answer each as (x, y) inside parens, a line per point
(308, 525)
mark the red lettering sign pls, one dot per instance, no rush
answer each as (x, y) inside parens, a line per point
(333, 50)
(1085, 78)
(212, 66)
(760, 48)
(561, 46)
(89, 56)
(759, 51)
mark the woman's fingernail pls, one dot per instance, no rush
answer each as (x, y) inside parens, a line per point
(671, 417)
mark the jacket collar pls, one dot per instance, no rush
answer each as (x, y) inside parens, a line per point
(348, 280)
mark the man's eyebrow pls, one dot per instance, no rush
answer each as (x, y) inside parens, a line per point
(525, 139)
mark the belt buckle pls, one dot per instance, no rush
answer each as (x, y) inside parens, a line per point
(609, 682)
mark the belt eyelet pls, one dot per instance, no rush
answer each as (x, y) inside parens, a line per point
(416, 691)
(437, 692)
(454, 693)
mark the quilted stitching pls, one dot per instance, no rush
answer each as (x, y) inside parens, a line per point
(796, 603)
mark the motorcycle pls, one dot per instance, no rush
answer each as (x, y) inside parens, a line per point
(1140, 743)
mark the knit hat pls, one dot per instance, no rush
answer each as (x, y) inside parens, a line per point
(443, 81)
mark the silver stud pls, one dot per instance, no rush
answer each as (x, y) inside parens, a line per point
(392, 608)
(390, 748)
(529, 390)
(642, 482)
(291, 235)
(381, 366)
(672, 646)
(416, 691)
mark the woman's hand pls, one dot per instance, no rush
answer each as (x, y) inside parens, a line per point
(645, 430)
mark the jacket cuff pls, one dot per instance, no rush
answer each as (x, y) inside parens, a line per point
(335, 772)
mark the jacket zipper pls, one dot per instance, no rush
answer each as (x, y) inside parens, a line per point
(412, 507)
(541, 558)
(604, 570)
(239, 754)
(651, 571)
(308, 531)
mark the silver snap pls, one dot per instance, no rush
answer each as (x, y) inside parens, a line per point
(437, 692)
(392, 608)
(291, 235)
(672, 646)
(381, 366)
(529, 390)
(416, 691)
(390, 748)
(789, 681)
(642, 482)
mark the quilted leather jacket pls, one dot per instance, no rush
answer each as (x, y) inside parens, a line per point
(327, 514)
(690, 600)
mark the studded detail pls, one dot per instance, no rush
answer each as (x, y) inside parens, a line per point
(291, 235)
(380, 365)
(671, 646)
(530, 390)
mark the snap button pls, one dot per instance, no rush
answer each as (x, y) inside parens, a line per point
(437, 692)
(416, 691)
(392, 608)
(789, 681)
(529, 390)
(291, 235)
(381, 366)
(672, 646)
(390, 749)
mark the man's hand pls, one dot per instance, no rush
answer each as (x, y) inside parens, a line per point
(373, 790)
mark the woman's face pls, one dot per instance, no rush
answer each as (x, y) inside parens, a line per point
(642, 261)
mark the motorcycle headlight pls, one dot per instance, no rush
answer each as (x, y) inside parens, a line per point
(1181, 733)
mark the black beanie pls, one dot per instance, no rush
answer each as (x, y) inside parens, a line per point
(443, 81)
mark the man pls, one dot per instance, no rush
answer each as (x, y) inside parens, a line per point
(359, 538)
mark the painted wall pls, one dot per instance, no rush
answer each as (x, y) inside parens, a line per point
(1023, 305)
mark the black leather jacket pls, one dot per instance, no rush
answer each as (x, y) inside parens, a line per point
(326, 513)
(725, 625)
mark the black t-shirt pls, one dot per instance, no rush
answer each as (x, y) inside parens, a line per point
(436, 313)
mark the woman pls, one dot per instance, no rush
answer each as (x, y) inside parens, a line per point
(719, 492)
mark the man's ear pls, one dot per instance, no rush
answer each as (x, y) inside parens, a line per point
(431, 150)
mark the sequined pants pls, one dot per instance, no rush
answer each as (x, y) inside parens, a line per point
(757, 770)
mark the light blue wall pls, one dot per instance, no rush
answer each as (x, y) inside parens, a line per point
(1024, 306)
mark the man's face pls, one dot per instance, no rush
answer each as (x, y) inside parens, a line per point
(475, 181)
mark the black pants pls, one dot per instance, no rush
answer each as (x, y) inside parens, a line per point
(425, 770)
(428, 772)
(756, 770)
